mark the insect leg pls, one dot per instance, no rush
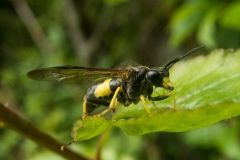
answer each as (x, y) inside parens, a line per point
(91, 103)
(85, 114)
(98, 102)
(112, 103)
(175, 102)
(145, 104)
(155, 106)
(162, 97)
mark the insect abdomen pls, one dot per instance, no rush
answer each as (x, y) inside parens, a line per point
(103, 89)
(100, 94)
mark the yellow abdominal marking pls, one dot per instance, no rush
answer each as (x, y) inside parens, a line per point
(103, 89)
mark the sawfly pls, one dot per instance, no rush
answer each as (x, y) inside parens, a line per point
(113, 87)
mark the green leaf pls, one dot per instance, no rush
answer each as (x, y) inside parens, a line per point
(230, 17)
(206, 32)
(184, 21)
(206, 91)
(178, 121)
(90, 128)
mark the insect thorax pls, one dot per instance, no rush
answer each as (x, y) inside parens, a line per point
(137, 84)
(132, 88)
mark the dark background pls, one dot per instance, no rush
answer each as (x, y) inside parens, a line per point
(104, 33)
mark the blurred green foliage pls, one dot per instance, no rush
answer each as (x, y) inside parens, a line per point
(210, 21)
(36, 34)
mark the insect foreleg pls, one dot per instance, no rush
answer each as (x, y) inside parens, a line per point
(155, 106)
(162, 97)
(175, 102)
(159, 98)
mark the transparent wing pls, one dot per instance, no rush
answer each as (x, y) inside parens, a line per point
(127, 65)
(75, 74)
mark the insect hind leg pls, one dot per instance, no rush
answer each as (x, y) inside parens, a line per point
(112, 103)
(85, 113)
(90, 104)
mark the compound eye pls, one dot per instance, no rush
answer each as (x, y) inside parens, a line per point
(153, 76)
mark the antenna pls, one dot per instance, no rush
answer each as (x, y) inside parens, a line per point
(170, 64)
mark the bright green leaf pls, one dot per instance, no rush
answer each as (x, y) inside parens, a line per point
(230, 17)
(91, 127)
(206, 90)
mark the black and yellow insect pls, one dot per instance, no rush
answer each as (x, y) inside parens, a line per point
(113, 86)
